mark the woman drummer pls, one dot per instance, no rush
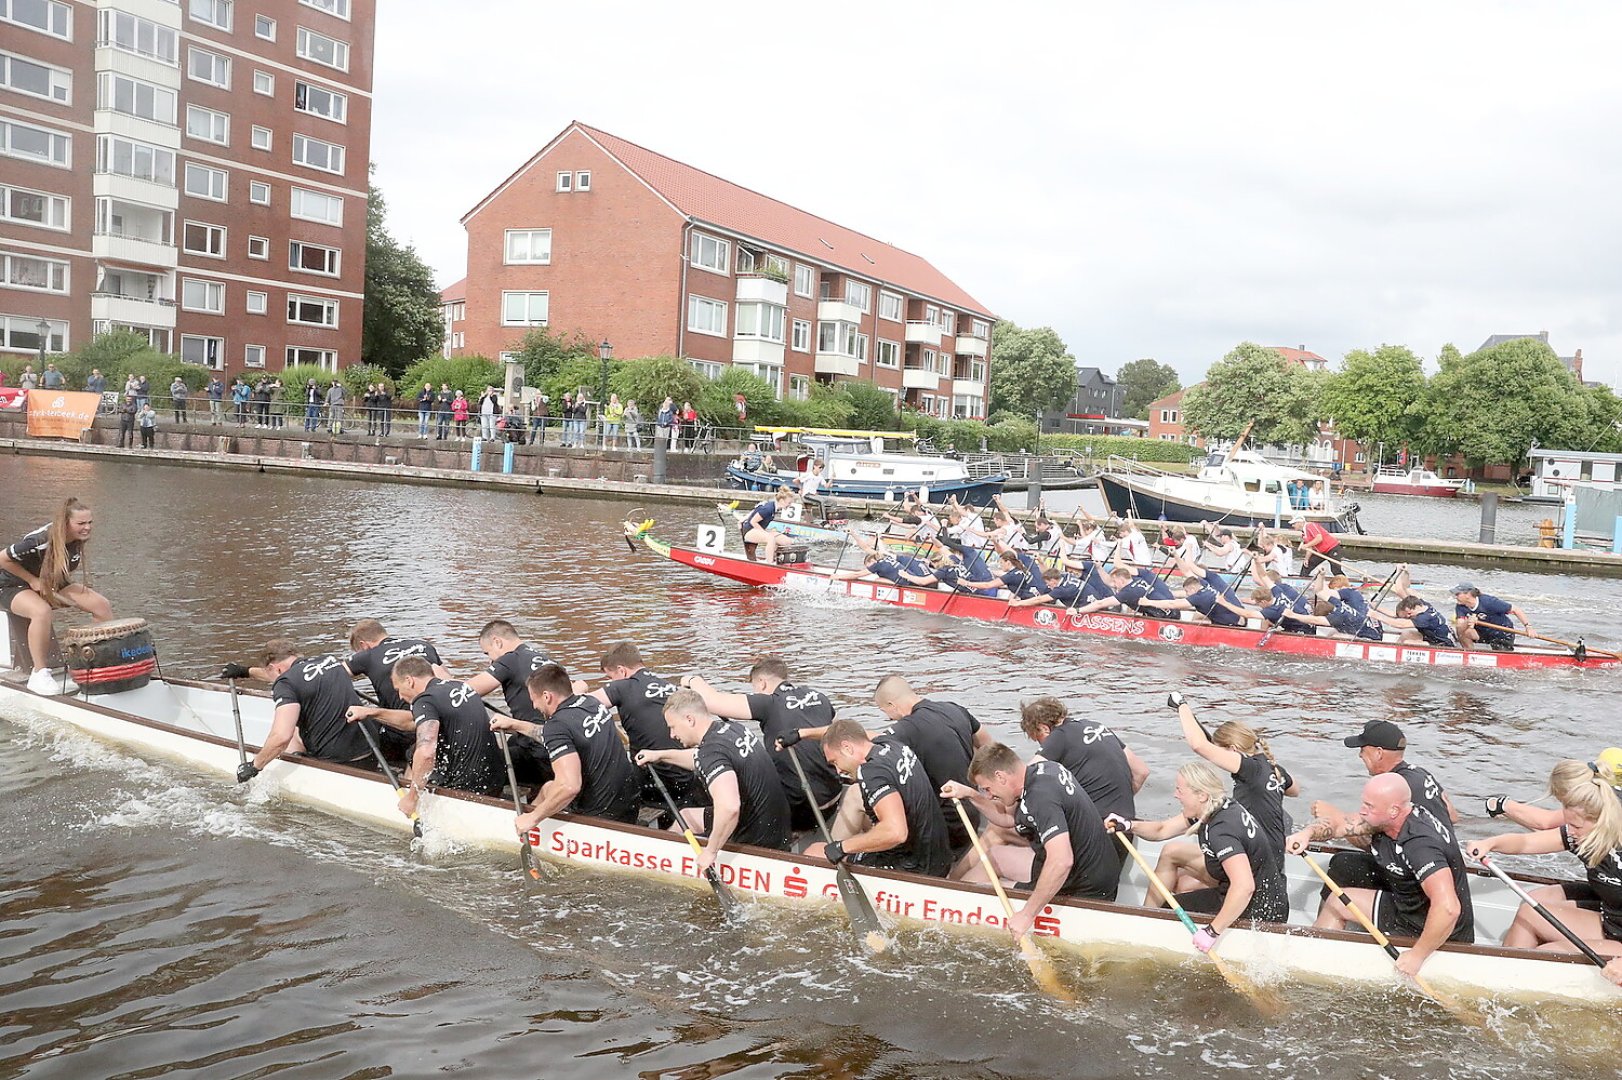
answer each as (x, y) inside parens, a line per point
(1592, 831)
(1243, 872)
(35, 575)
(757, 527)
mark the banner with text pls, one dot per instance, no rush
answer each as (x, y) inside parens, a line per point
(60, 414)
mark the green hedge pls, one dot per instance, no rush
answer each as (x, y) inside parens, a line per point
(1099, 447)
(469, 374)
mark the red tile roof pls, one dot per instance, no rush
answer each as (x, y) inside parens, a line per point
(777, 225)
(1298, 356)
(450, 293)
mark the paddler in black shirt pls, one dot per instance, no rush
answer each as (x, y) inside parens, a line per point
(640, 697)
(1109, 772)
(943, 734)
(1068, 852)
(374, 654)
(786, 712)
(902, 827)
(731, 760)
(455, 746)
(512, 661)
(591, 773)
(312, 696)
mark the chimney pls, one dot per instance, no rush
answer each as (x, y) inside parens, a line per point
(1303, 348)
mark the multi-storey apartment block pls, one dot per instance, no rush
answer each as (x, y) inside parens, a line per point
(599, 235)
(193, 171)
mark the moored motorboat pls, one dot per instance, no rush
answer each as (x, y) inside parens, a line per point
(191, 723)
(1394, 480)
(1238, 488)
(856, 465)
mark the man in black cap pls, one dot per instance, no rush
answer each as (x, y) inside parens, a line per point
(1494, 614)
(1381, 747)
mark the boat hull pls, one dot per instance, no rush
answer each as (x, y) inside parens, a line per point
(1431, 491)
(973, 492)
(196, 739)
(1128, 498)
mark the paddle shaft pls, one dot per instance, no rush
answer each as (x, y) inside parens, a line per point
(729, 903)
(388, 771)
(1374, 931)
(1582, 946)
(1550, 640)
(1041, 970)
(525, 855)
(236, 715)
(863, 919)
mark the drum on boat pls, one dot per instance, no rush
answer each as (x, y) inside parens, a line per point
(110, 657)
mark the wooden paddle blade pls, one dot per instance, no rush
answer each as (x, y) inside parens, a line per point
(1042, 971)
(1266, 1000)
(863, 919)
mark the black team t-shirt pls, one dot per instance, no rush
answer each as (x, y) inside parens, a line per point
(1054, 803)
(1422, 847)
(790, 707)
(29, 553)
(1096, 757)
(1259, 787)
(323, 691)
(942, 734)
(467, 757)
(609, 787)
(892, 768)
(763, 813)
(377, 665)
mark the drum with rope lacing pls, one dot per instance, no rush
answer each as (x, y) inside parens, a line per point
(110, 657)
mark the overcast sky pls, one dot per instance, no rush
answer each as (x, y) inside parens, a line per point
(1158, 179)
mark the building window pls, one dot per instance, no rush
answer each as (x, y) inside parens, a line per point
(319, 101)
(943, 365)
(805, 280)
(35, 79)
(33, 273)
(841, 339)
(208, 67)
(37, 208)
(889, 354)
(890, 306)
(317, 154)
(565, 181)
(258, 303)
(264, 83)
(321, 49)
(253, 356)
(36, 144)
(582, 181)
(982, 329)
(259, 192)
(312, 311)
(706, 368)
(135, 98)
(317, 206)
(216, 13)
(258, 247)
(859, 294)
(1168, 416)
(205, 296)
(529, 246)
(799, 387)
(20, 333)
(801, 341)
(761, 321)
(706, 316)
(259, 138)
(524, 308)
(47, 16)
(264, 27)
(203, 351)
(198, 238)
(948, 322)
(312, 258)
(132, 34)
(208, 125)
(338, 8)
(326, 359)
(708, 253)
(204, 182)
(125, 157)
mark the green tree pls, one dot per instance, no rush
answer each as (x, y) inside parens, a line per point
(1031, 370)
(1143, 381)
(1375, 396)
(871, 409)
(1493, 403)
(648, 379)
(400, 322)
(1254, 387)
(469, 374)
(1450, 357)
(544, 354)
(717, 405)
(824, 407)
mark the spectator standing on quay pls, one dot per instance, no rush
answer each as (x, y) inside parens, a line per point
(489, 409)
(566, 414)
(459, 413)
(53, 379)
(368, 405)
(312, 404)
(96, 384)
(613, 417)
(385, 408)
(148, 419)
(179, 394)
(216, 400)
(665, 424)
(512, 424)
(335, 406)
(538, 415)
(239, 400)
(442, 412)
(278, 418)
(28, 380)
(425, 408)
(143, 389)
(689, 424)
(261, 403)
(633, 422)
(126, 422)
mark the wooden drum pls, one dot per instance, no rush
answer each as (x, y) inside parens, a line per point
(110, 657)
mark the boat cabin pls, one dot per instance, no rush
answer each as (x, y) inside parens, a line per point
(1252, 472)
(1556, 472)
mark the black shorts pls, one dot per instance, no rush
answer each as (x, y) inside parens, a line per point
(1270, 902)
(9, 592)
(894, 860)
(1582, 894)
(1394, 923)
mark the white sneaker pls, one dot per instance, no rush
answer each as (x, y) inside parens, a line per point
(44, 681)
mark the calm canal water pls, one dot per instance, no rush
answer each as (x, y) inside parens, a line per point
(156, 923)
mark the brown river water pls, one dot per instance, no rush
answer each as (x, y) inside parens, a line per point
(155, 922)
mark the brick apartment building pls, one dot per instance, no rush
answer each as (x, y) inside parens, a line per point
(599, 235)
(193, 171)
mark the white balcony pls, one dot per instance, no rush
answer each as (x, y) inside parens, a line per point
(838, 311)
(134, 310)
(920, 379)
(837, 364)
(924, 333)
(971, 346)
(137, 65)
(132, 248)
(130, 190)
(971, 387)
(112, 122)
(753, 287)
(757, 351)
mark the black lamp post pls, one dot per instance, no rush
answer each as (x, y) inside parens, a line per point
(44, 328)
(604, 352)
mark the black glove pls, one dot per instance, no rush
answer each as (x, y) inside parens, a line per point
(789, 738)
(834, 852)
(1495, 805)
(1174, 700)
(246, 771)
(234, 671)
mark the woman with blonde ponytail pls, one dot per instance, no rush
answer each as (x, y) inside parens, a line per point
(1592, 831)
(1259, 783)
(36, 577)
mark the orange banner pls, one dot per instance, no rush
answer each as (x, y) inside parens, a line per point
(59, 414)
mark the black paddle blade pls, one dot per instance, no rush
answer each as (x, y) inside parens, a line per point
(731, 906)
(863, 919)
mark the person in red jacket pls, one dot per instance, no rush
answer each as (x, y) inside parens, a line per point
(1318, 545)
(459, 413)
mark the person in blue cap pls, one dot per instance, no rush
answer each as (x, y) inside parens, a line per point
(1483, 620)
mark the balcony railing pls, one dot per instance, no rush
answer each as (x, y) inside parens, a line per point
(161, 300)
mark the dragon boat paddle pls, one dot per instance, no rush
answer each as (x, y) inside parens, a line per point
(236, 715)
(863, 919)
(526, 856)
(1451, 1004)
(1041, 970)
(1578, 649)
(1267, 1002)
(388, 771)
(1565, 931)
(731, 906)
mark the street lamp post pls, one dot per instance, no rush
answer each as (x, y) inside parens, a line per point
(604, 352)
(44, 328)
